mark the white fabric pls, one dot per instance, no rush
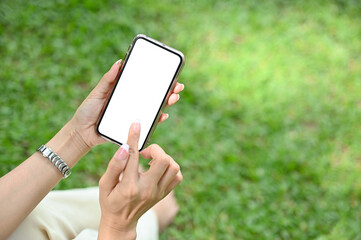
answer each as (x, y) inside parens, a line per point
(74, 214)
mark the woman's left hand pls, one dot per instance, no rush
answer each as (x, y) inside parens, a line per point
(85, 119)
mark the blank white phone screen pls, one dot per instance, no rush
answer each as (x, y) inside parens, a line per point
(140, 91)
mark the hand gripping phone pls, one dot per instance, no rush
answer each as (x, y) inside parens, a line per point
(148, 75)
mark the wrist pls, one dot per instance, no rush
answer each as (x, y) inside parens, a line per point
(69, 144)
(73, 130)
(108, 232)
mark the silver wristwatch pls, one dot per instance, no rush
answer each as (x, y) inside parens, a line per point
(55, 160)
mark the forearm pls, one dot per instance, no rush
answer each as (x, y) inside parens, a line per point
(25, 186)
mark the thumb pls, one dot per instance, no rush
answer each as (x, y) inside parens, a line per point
(108, 80)
(115, 167)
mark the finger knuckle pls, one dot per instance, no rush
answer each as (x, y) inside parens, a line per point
(154, 146)
(105, 77)
(132, 192)
(101, 182)
(175, 167)
(165, 160)
(147, 195)
(179, 178)
(132, 135)
(133, 150)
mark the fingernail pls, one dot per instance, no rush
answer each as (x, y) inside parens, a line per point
(119, 61)
(182, 86)
(178, 97)
(150, 163)
(122, 152)
(136, 126)
(166, 116)
(125, 147)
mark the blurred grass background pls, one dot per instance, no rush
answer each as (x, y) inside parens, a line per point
(267, 131)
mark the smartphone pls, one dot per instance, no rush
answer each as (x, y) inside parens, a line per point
(148, 75)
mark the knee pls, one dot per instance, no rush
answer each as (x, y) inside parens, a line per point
(33, 226)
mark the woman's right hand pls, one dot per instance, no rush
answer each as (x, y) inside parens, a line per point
(124, 201)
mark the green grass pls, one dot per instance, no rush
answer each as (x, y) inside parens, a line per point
(268, 131)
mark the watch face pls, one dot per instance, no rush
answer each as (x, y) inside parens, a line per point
(55, 159)
(46, 152)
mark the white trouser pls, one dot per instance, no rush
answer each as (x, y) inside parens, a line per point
(74, 214)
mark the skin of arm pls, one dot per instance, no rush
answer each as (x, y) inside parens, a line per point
(25, 186)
